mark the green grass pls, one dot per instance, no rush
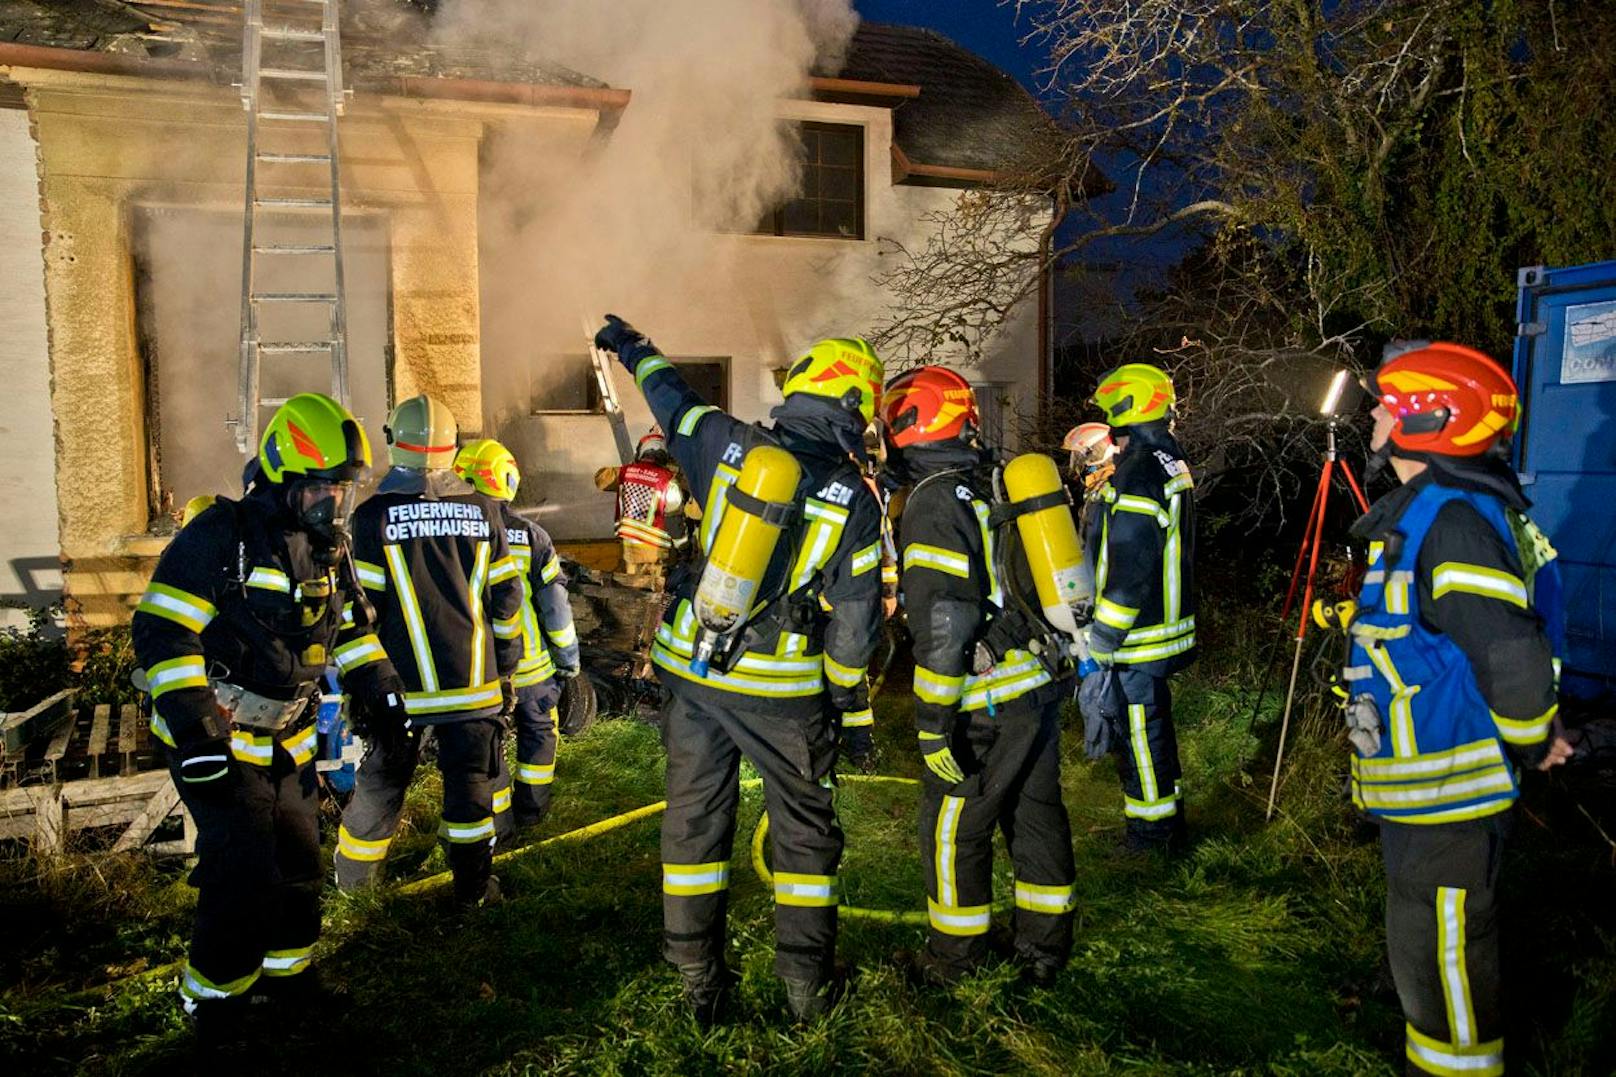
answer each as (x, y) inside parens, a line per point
(1257, 953)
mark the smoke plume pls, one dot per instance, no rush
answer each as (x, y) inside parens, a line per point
(635, 220)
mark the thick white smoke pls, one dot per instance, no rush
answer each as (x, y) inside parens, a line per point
(637, 222)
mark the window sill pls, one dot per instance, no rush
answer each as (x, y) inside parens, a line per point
(147, 545)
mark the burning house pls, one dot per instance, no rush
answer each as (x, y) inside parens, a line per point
(508, 171)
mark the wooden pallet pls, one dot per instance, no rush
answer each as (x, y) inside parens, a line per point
(94, 742)
(92, 767)
(45, 815)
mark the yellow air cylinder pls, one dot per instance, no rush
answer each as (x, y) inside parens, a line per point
(196, 507)
(1049, 537)
(745, 544)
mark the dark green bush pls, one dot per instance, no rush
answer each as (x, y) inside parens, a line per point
(33, 662)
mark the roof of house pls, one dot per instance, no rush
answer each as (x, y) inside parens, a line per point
(968, 115)
(380, 44)
(956, 117)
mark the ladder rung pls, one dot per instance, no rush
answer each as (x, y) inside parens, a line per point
(294, 297)
(297, 117)
(295, 248)
(293, 203)
(285, 346)
(295, 158)
(291, 74)
(292, 33)
(272, 401)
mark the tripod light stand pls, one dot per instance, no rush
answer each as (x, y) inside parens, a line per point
(1308, 555)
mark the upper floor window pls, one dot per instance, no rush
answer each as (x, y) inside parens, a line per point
(831, 201)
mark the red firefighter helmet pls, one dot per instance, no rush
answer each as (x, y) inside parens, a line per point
(654, 441)
(1446, 399)
(928, 404)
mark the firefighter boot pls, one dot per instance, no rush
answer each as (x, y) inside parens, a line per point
(707, 987)
(1036, 967)
(809, 1000)
(225, 1022)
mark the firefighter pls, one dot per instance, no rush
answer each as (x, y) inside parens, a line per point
(549, 640)
(1091, 456)
(802, 654)
(1451, 687)
(432, 552)
(1140, 549)
(987, 709)
(1090, 464)
(650, 502)
(246, 608)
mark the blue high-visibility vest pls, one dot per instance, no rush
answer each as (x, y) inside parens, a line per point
(1441, 757)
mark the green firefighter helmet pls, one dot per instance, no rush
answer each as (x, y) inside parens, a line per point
(1135, 393)
(845, 370)
(421, 434)
(313, 436)
(490, 467)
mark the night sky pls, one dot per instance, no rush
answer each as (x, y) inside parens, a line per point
(990, 29)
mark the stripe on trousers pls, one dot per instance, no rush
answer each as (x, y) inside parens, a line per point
(1450, 934)
(945, 836)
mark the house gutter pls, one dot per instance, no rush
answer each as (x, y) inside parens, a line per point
(861, 88)
(604, 98)
(903, 168)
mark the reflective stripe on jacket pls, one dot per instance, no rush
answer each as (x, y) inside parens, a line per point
(1142, 547)
(448, 600)
(951, 591)
(1442, 754)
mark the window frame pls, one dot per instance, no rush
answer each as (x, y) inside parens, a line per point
(775, 218)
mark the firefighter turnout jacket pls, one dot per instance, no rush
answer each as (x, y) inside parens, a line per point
(1141, 545)
(1449, 645)
(240, 597)
(820, 620)
(648, 504)
(548, 636)
(433, 554)
(970, 650)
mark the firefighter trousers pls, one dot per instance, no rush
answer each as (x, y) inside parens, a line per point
(1442, 938)
(471, 760)
(1147, 760)
(1012, 767)
(705, 742)
(257, 876)
(535, 751)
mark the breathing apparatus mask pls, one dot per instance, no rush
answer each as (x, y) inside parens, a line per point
(323, 507)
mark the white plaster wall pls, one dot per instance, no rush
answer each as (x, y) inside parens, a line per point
(789, 292)
(29, 567)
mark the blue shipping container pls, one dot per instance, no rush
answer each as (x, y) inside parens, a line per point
(1565, 365)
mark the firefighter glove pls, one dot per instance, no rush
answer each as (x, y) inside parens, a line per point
(626, 342)
(207, 770)
(858, 745)
(1363, 724)
(1099, 698)
(939, 758)
(507, 697)
(566, 673)
(384, 713)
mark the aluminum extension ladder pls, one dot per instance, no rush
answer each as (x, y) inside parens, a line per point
(288, 98)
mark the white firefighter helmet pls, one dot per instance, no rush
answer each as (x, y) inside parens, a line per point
(1089, 444)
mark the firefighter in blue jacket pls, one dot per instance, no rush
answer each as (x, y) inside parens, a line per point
(1451, 686)
(549, 640)
(247, 607)
(799, 664)
(433, 554)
